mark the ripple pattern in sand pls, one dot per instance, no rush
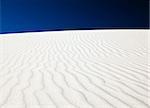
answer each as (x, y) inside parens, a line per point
(74, 70)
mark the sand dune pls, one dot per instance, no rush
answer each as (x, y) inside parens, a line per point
(75, 69)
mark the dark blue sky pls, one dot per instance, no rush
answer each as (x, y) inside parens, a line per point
(41, 15)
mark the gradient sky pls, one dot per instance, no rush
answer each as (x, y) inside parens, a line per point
(43, 15)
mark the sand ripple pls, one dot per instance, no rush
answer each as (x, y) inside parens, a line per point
(75, 69)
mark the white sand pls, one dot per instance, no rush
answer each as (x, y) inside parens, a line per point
(75, 69)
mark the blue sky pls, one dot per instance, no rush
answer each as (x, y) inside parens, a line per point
(45, 15)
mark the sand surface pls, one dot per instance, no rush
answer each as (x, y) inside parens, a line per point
(75, 69)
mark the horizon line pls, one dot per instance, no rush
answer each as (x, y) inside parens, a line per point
(53, 30)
